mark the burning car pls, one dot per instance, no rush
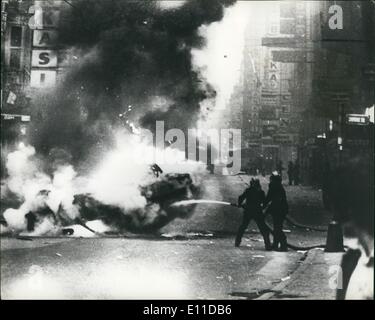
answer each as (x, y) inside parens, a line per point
(157, 212)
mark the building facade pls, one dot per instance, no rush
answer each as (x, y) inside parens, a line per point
(306, 66)
(271, 113)
(32, 60)
(342, 81)
(16, 38)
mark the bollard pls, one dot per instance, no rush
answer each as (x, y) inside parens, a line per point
(335, 238)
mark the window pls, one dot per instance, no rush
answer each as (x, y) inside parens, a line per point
(15, 58)
(16, 37)
(15, 47)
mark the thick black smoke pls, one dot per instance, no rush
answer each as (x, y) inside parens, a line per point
(131, 53)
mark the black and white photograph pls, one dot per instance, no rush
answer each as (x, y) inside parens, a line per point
(206, 150)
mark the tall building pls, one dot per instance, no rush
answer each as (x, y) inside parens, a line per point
(16, 38)
(307, 65)
(271, 99)
(342, 79)
(31, 60)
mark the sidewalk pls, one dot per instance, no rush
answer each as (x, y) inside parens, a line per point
(311, 280)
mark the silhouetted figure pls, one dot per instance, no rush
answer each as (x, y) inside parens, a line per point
(349, 263)
(31, 220)
(280, 168)
(296, 173)
(351, 199)
(290, 172)
(278, 209)
(263, 169)
(255, 197)
(253, 170)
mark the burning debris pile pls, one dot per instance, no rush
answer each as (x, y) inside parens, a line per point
(154, 215)
(119, 197)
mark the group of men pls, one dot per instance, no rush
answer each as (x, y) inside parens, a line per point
(293, 171)
(254, 201)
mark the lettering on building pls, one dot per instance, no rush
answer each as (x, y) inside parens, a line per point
(336, 20)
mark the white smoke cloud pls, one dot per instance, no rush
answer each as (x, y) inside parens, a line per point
(115, 181)
(220, 60)
(46, 227)
(26, 179)
(15, 219)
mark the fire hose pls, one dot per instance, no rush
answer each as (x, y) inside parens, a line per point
(302, 226)
(289, 245)
(295, 224)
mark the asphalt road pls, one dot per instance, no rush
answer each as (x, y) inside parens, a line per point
(130, 269)
(159, 267)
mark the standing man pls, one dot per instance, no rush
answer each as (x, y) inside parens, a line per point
(290, 172)
(278, 209)
(255, 197)
(280, 168)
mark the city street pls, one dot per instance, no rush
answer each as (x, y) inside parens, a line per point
(137, 138)
(193, 258)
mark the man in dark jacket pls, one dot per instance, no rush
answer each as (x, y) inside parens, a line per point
(254, 196)
(278, 209)
(280, 168)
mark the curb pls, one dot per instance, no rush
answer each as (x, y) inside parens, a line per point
(311, 254)
(294, 223)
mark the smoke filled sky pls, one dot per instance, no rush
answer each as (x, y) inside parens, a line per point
(133, 64)
(221, 58)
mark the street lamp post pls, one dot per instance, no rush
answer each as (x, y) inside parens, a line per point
(335, 237)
